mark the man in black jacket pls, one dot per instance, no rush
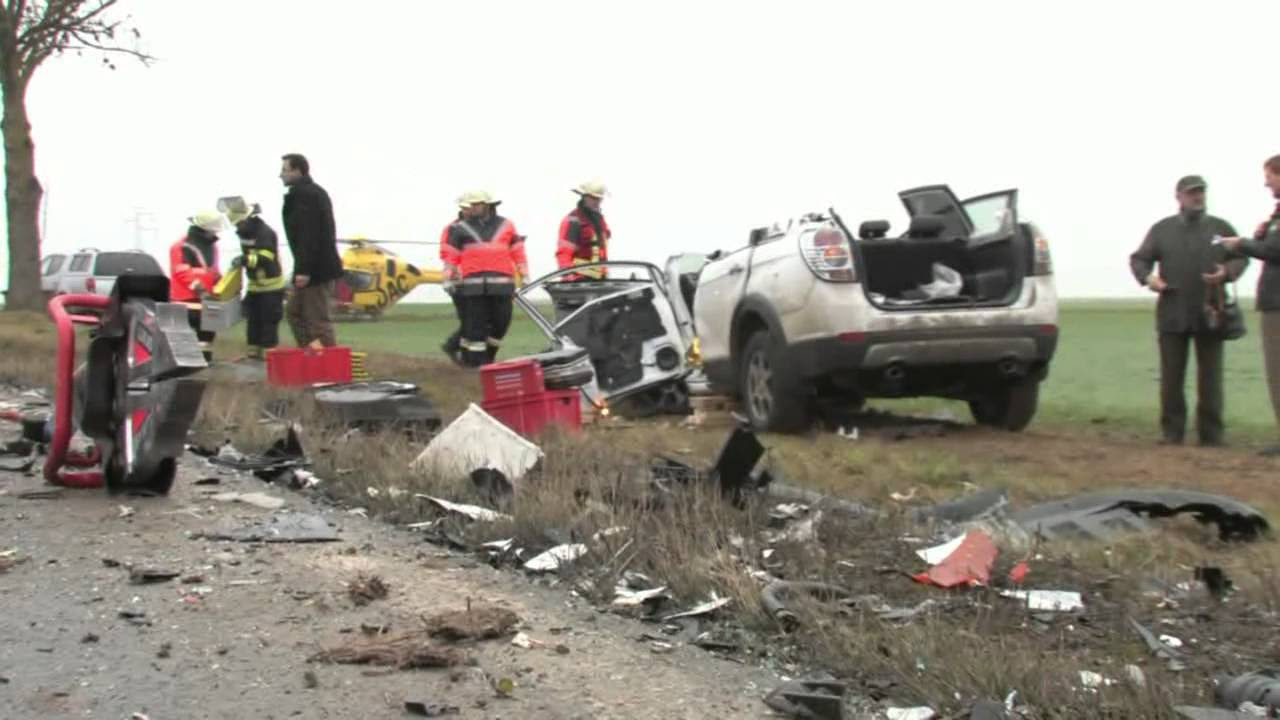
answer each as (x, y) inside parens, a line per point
(1265, 246)
(1190, 263)
(313, 240)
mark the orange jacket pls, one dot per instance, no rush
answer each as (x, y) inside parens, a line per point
(583, 239)
(189, 263)
(478, 247)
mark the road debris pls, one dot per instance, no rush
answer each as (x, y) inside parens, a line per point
(1204, 713)
(522, 640)
(51, 494)
(281, 528)
(914, 713)
(364, 589)
(967, 563)
(9, 559)
(480, 622)
(89, 639)
(256, 499)
(379, 405)
(135, 617)
(1047, 600)
(165, 651)
(1260, 688)
(208, 481)
(422, 709)
(126, 511)
(1158, 648)
(625, 597)
(477, 440)
(816, 699)
(412, 650)
(774, 595)
(1106, 514)
(706, 608)
(1090, 680)
(970, 508)
(556, 557)
(472, 512)
(1215, 581)
(150, 575)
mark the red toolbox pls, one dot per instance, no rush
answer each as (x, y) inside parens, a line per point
(530, 414)
(305, 366)
(511, 380)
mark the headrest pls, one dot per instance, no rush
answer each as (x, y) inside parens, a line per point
(873, 229)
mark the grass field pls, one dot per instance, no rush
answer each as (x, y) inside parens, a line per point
(1105, 374)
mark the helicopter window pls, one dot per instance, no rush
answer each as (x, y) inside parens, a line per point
(391, 267)
(360, 280)
(412, 269)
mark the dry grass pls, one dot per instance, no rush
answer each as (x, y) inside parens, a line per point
(973, 645)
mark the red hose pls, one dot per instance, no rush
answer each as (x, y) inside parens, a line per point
(64, 380)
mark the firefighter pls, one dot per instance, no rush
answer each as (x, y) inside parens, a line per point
(193, 270)
(482, 255)
(452, 347)
(259, 260)
(584, 234)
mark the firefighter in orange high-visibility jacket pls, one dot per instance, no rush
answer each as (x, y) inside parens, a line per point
(193, 269)
(482, 256)
(584, 234)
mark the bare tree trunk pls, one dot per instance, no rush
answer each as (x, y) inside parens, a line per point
(22, 200)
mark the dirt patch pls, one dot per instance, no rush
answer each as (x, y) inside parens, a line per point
(481, 622)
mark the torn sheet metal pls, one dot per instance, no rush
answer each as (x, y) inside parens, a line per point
(556, 557)
(474, 512)
(1102, 515)
(476, 440)
(973, 507)
(1047, 600)
(706, 608)
(626, 597)
(938, 553)
(915, 713)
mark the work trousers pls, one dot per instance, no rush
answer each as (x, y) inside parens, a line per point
(308, 314)
(206, 338)
(1174, 352)
(263, 312)
(1271, 357)
(485, 321)
(453, 345)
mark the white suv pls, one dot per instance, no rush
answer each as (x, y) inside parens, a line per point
(93, 271)
(810, 316)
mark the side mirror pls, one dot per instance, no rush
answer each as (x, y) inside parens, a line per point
(757, 236)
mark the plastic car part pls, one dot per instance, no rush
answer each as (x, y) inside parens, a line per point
(1105, 514)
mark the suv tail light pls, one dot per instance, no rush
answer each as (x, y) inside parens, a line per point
(90, 285)
(828, 255)
(1042, 261)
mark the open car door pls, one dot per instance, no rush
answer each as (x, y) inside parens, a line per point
(627, 323)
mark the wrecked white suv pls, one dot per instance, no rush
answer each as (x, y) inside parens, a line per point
(810, 316)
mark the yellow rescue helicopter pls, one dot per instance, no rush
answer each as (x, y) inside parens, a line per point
(375, 278)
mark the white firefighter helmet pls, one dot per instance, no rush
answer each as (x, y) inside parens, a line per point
(208, 220)
(592, 188)
(473, 197)
(237, 209)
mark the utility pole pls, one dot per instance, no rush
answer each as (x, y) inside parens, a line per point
(144, 223)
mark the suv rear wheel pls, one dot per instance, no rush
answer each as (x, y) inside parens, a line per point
(1011, 407)
(773, 400)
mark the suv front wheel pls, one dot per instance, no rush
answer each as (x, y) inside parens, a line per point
(774, 401)
(1011, 407)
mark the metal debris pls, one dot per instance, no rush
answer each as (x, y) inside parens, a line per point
(472, 512)
(1158, 648)
(556, 557)
(817, 699)
(1047, 600)
(1261, 688)
(256, 499)
(706, 608)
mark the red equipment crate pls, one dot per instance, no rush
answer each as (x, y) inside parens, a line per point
(304, 366)
(511, 380)
(528, 415)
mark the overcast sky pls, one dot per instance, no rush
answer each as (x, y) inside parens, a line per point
(704, 118)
